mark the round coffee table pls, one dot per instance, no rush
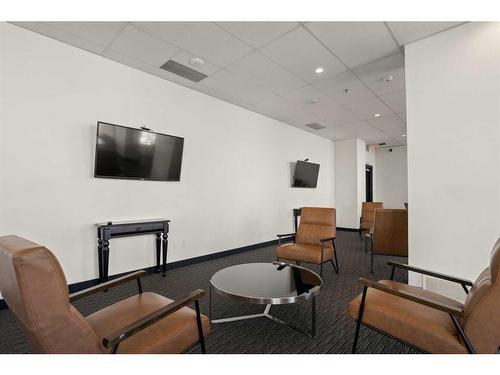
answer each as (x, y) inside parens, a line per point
(267, 284)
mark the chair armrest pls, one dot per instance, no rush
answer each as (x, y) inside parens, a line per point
(285, 236)
(326, 239)
(131, 329)
(431, 273)
(104, 286)
(449, 309)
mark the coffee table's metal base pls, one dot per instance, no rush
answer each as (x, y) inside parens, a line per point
(266, 314)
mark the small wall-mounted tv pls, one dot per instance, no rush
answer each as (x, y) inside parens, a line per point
(305, 175)
(138, 154)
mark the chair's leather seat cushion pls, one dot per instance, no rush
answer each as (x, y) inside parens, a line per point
(173, 334)
(423, 327)
(304, 253)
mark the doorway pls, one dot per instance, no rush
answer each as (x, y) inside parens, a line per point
(369, 182)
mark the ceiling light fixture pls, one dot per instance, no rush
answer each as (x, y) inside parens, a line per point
(376, 115)
(314, 101)
(403, 135)
(319, 70)
(196, 61)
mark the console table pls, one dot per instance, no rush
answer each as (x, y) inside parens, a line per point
(109, 230)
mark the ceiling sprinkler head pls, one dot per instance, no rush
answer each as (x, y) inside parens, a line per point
(347, 91)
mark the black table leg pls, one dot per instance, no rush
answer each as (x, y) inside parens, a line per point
(210, 303)
(313, 321)
(164, 253)
(99, 260)
(105, 259)
(158, 251)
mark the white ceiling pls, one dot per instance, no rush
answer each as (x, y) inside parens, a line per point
(268, 67)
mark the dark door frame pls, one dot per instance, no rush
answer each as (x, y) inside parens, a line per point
(369, 182)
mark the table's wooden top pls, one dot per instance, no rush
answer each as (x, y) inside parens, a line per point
(105, 223)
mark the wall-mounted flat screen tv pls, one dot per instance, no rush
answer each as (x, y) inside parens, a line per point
(306, 175)
(129, 153)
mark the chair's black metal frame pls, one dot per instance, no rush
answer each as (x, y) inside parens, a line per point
(368, 238)
(361, 227)
(452, 311)
(361, 230)
(335, 265)
(113, 341)
(369, 249)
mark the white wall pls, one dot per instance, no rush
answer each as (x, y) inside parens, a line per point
(370, 158)
(453, 104)
(350, 157)
(392, 177)
(235, 184)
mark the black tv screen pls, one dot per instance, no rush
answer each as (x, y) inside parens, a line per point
(306, 174)
(123, 152)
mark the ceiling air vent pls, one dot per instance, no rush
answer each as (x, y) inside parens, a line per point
(315, 126)
(183, 71)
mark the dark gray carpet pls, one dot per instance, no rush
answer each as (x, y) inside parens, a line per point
(335, 330)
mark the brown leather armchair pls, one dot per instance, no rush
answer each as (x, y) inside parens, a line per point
(431, 322)
(368, 216)
(314, 241)
(389, 235)
(34, 287)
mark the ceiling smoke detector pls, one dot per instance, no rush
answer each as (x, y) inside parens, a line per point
(196, 61)
(388, 78)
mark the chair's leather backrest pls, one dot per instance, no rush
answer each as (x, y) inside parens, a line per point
(316, 223)
(368, 212)
(481, 319)
(34, 287)
(390, 232)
